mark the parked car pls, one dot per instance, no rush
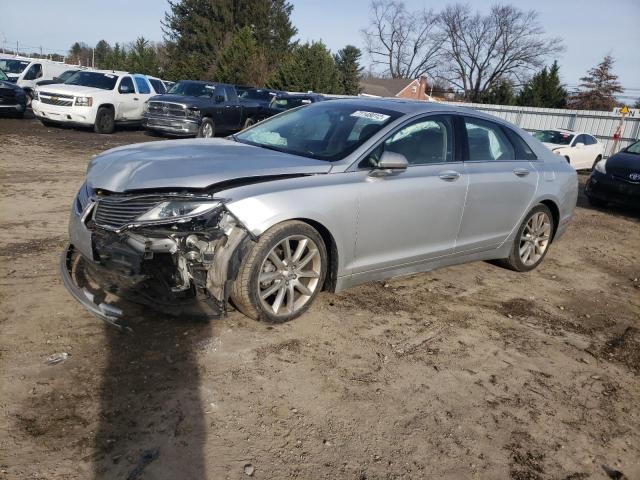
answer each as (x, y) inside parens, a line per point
(63, 77)
(261, 96)
(39, 70)
(287, 101)
(97, 98)
(13, 100)
(581, 150)
(322, 197)
(194, 108)
(616, 179)
(13, 66)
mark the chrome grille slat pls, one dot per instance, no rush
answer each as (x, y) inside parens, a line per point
(117, 212)
(166, 109)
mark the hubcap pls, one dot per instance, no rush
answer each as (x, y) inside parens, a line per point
(535, 238)
(289, 275)
(207, 130)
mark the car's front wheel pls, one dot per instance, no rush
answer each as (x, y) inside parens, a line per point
(532, 240)
(282, 273)
(105, 120)
(207, 128)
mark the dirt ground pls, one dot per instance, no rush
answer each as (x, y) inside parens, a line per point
(467, 372)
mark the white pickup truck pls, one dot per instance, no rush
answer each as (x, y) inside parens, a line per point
(97, 98)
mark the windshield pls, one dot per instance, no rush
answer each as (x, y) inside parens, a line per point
(634, 148)
(286, 103)
(324, 131)
(104, 81)
(554, 136)
(12, 65)
(256, 94)
(64, 76)
(3, 76)
(193, 89)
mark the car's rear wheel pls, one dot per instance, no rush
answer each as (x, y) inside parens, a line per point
(532, 240)
(282, 274)
(105, 121)
(207, 128)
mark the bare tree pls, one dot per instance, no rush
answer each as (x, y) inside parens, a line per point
(405, 43)
(483, 50)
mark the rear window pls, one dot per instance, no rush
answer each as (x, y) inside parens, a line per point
(103, 81)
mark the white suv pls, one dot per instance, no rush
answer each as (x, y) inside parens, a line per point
(97, 98)
(580, 149)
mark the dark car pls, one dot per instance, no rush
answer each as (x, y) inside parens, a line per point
(616, 179)
(59, 79)
(288, 101)
(13, 100)
(195, 108)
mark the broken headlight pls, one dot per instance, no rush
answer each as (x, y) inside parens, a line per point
(178, 209)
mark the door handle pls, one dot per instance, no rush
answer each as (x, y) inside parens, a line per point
(136, 99)
(521, 172)
(449, 175)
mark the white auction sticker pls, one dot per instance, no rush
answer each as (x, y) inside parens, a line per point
(375, 116)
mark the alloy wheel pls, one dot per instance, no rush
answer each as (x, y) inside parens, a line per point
(289, 275)
(207, 130)
(535, 238)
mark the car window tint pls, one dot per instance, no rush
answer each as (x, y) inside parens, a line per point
(590, 140)
(35, 71)
(143, 86)
(428, 140)
(128, 84)
(157, 85)
(487, 141)
(522, 148)
(579, 139)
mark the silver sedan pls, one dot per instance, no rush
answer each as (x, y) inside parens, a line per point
(325, 196)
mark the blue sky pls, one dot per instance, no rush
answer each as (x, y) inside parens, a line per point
(590, 28)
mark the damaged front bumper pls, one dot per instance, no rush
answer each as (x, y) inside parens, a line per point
(169, 265)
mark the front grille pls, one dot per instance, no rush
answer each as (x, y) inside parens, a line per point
(166, 109)
(116, 212)
(7, 94)
(56, 99)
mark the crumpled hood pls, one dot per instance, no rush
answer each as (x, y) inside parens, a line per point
(191, 164)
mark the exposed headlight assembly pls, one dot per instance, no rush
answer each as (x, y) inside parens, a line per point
(601, 166)
(84, 101)
(178, 210)
(193, 113)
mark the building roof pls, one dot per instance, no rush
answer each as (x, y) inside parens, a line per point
(384, 87)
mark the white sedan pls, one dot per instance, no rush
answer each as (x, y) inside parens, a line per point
(581, 150)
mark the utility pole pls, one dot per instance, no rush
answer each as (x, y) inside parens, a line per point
(17, 48)
(93, 58)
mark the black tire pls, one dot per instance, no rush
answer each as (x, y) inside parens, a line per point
(245, 290)
(514, 262)
(598, 158)
(249, 122)
(207, 128)
(105, 121)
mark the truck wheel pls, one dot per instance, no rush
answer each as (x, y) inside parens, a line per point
(29, 97)
(281, 274)
(248, 123)
(207, 128)
(105, 121)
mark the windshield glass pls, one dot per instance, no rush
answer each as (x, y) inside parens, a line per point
(634, 148)
(64, 76)
(256, 94)
(324, 131)
(554, 136)
(13, 65)
(3, 76)
(193, 89)
(286, 103)
(104, 81)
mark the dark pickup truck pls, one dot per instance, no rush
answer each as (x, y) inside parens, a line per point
(194, 108)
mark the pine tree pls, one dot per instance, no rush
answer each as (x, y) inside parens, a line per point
(348, 63)
(142, 58)
(500, 93)
(544, 90)
(598, 88)
(310, 67)
(116, 59)
(241, 61)
(197, 30)
(101, 52)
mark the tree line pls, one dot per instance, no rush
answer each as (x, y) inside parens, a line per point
(497, 57)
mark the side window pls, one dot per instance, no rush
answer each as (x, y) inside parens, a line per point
(428, 140)
(126, 85)
(487, 141)
(229, 93)
(579, 139)
(35, 71)
(143, 86)
(158, 86)
(523, 150)
(589, 140)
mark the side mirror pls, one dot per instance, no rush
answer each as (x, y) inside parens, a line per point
(390, 162)
(219, 98)
(579, 144)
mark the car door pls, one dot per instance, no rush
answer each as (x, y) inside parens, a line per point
(414, 215)
(143, 93)
(580, 153)
(594, 147)
(127, 106)
(231, 109)
(502, 184)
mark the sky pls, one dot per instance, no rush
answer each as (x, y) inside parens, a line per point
(590, 28)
